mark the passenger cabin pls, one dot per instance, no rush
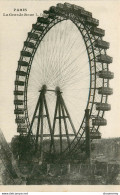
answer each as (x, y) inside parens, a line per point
(43, 20)
(106, 74)
(26, 54)
(102, 44)
(92, 21)
(68, 6)
(21, 73)
(37, 28)
(46, 12)
(60, 5)
(21, 130)
(19, 111)
(72, 7)
(52, 9)
(105, 90)
(23, 63)
(104, 58)
(98, 32)
(18, 92)
(60, 9)
(20, 120)
(29, 44)
(95, 135)
(22, 125)
(103, 106)
(18, 102)
(20, 83)
(51, 15)
(33, 36)
(99, 122)
(85, 13)
(76, 7)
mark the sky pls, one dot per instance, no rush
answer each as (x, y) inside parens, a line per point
(13, 33)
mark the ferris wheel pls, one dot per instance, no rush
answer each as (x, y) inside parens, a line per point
(63, 69)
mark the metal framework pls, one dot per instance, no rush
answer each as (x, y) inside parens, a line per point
(99, 89)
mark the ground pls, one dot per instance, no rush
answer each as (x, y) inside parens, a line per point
(104, 168)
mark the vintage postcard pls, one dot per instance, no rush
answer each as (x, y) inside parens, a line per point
(60, 91)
